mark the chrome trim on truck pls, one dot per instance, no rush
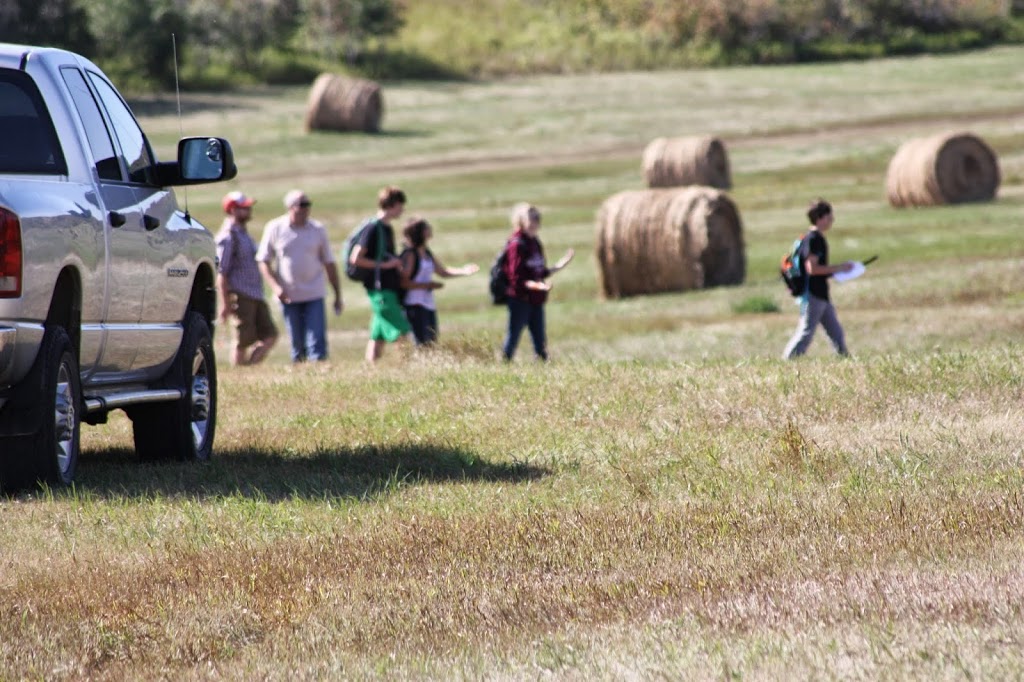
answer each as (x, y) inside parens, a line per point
(118, 400)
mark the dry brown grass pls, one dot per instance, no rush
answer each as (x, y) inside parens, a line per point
(345, 540)
(413, 585)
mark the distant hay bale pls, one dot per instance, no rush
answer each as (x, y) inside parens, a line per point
(341, 103)
(682, 161)
(659, 240)
(951, 168)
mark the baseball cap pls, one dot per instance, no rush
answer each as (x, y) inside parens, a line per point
(233, 199)
(294, 197)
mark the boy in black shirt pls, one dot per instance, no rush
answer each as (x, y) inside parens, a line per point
(815, 306)
(376, 253)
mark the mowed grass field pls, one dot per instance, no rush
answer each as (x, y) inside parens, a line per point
(666, 499)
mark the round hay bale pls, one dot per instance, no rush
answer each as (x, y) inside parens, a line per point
(951, 168)
(659, 240)
(341, 103)
(681, 161)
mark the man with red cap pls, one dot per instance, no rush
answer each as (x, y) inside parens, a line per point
(240, 284)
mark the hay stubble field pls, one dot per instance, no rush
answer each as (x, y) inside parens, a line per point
(666, 499)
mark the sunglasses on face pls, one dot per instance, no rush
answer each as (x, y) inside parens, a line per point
(304, 204)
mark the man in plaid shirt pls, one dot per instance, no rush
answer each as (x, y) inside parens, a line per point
(241, 285)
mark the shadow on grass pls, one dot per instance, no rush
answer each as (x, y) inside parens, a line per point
(403, 132)
(167, 104)
(401, 64)
(383, 132)
(361, 473)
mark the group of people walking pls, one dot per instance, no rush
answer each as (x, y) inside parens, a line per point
(295, 260)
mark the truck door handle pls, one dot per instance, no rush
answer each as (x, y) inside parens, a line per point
(116, 219)
(150, 223)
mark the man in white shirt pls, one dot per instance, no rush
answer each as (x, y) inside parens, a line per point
(294, 255)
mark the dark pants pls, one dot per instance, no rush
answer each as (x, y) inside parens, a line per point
(522, 314)
(423, 322)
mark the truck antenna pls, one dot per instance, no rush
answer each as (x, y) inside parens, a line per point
(177, 93)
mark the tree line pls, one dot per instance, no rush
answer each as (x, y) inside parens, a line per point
(215, 41)
(222, 43)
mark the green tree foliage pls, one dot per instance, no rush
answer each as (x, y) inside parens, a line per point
(234, 40)
(516, 36)
(55, 23)
(738, 23)
(343, 27)
(228, 41)
(136, 39)
(236, 32)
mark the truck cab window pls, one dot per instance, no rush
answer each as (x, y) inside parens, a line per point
(27, 139)
(95, 129)
(136, 150)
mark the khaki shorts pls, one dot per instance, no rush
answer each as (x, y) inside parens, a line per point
(250, 318)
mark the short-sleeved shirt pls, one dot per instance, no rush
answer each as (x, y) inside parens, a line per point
(817, 285)
(389, 278)
(236, 260)
(298, 253)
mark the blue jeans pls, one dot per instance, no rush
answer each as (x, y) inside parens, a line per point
(522, 314)
(424, 324)
(815, 311)
(307, 326)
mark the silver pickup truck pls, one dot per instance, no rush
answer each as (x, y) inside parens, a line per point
(106, 287)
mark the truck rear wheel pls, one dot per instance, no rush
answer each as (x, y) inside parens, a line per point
(51, 454)
(182, 429)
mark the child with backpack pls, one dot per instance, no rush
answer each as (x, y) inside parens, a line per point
(815, 306)
(527, 288)
(419, 265)
(373, 261)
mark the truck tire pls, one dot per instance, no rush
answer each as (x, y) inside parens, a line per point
(51, 454)
(182, 429)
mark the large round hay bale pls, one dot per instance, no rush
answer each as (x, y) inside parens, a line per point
(682, 161)
(342, 103)
(658, 240)
(951, 168)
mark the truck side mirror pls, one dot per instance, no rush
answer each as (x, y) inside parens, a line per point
(200, 160)
(205, 159)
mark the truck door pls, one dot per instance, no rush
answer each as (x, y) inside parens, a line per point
(165, 255)
(125, 234)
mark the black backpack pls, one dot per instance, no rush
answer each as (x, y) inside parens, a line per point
(499, 280)
(356, 274)
(793, 267)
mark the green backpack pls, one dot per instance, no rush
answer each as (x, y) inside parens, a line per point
(793, 268)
